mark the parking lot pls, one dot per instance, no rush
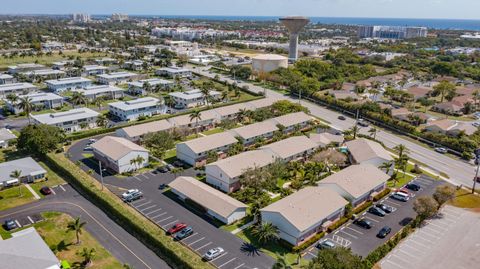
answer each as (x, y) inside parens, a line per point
(362, 241)
(447, 241)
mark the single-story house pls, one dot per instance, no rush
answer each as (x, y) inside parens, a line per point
(292, 121)
(195, 152)
(225, 174)
(6, 79)
(65, 84)
(366, 151)
(357, 183)
(419, 92)
(325, 139)
(231, 112)
(451, 108)
(216, 204)
(30, 171)
(304, 213)
(117, 154)
(261, 103)
(340, 95)
(91, 70)
(450, 127)
(6, 136)
(136, 132)
(292, 148)
(260, 130)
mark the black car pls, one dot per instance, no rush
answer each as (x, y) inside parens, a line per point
(413, 186)
(162, 186)
(162, 169)
(384, 232)
(385, 208)
(366, 224)
(10, 225)
(376, 211)
(184, 233)
(341, 118)
(179, 164)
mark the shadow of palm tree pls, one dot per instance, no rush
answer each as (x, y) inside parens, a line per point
(62, 246)
(250, 249)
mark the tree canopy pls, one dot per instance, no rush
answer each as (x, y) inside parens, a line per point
(40, 139)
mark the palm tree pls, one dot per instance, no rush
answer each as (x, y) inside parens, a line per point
(242, 114)
(386, 165)
(98, 102)
(266, 232)
(196, 115)
(16, 175)
(137, 161)
(224, 96)
(101, 121)
(354, 131)
(402, 150)
(12, 98)
(87, 255)
(147, 87)
(281, 262)
(168, 101)
(176, 171)
(27, 106)
(76, 226)
(206, 93)
(78, 98)
(373, 132)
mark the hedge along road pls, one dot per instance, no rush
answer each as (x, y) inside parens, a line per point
(121, 244)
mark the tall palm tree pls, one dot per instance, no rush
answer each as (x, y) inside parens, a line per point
(224, 96)
(101, 121)
(387, 166)
(98, 102)
(27, 106)
(242, 113)
(16, 175)
(12, 98)
(87, 255)
(206, 94)
(354, 131)
(76, 226)
(266, 232)
(402, 150)
(168, 101)
(78, 98)
(281, 262)
(196, 115)
(147, 87)
(373, 132)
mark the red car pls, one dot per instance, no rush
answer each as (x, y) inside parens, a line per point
(46, 190)
(404, 190)
(177, 228)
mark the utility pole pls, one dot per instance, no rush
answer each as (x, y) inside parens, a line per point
(476, 174)
(101, 174)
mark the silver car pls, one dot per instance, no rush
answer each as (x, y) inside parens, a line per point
(213, 253)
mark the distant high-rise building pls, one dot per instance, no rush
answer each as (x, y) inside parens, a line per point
(119, 17)
(80, 17)
(391, 32)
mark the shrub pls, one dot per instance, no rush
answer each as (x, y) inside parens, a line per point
(337, 224)
(361, 208)
(308, 243)
(381, 195)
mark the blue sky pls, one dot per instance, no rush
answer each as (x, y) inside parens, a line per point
(459, 9)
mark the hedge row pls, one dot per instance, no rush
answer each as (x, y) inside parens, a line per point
(337, 224)
(152, 236)
(308, 243)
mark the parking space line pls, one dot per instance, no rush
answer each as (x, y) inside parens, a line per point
(393, 203)
(61, 187)
(408, 254)
(311, 254)
(146, 208)
(135, 177)
(140, 205)
(354, 230)
(143, 175)
(433, 230)
(342, 231)
(400, 258)
(203, 246)
(395, 264)
(372, 219)
(156, 210)
(196, 241)
(152, 174)
(412, 247)
(429, 235)
(170, 223)
(425, 246)
(53, 191)
(239, 266)
(436, 225)
(30, 219)
(220, 266)
(223, 254)
(18, 223)
(164, 219)
(424, 239)
(159, 215)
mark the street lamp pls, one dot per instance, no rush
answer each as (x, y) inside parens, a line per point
(477, 153)
(101, 174)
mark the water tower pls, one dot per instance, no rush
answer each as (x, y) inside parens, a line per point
(294, 25)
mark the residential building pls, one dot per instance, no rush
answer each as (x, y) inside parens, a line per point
(138, 87)
(451, 127)
(36, 75)
(357, 183)
(81, 17)
(192, 98)
(292, 148)
(225, 174)
(450, 108)
(366, 151)
(5, 137)
(30, 171)
(66, 84)
(136, 132)
(419, 92)
(116, 78)
(208, 119)
(16, 88)
(230, 112)
(106, 61)
(327, 139)
(305, 213)
(293, 121)
(41, 100)
(391, 32)
(131, 110)
(261, 103)
(119, 17)
(173, 72)
(217, 204)
(62, 64)
(26, 249)
(6, 79)
(105, 91)
(256, 131)
(135, 65)
(20, 68)
(71, 121)
(195, 152)
(92, 70)
(117, 153)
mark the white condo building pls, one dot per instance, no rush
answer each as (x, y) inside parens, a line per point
(131, 110)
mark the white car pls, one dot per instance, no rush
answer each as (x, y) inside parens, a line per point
(129, 193)
(213, 253)
(441, 150)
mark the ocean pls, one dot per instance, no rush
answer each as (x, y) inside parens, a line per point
(444, 24)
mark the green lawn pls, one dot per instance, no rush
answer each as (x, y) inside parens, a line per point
(400, 180)
(213, 131)
(53, 231)
(15, 196)
(465, 199)
(238, 224)
(7, 61)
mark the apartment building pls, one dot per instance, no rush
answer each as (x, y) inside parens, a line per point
(138, 87)
(71, 121)
(132, 110)
(173, 72)
(66, 84)
(41, 100)
(195, 152)
(16, 88)
(116, 78)
(192, 98)
(105, 91)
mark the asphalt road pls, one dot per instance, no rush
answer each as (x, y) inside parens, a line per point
(166, 212)
(122, 245)
(459, 172)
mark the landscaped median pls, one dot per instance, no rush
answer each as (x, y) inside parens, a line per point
(133, 222)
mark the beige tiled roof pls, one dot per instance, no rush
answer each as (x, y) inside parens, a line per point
(206, 196)
(363, 149)
(324, 139)
(261, 103)
(184, 120)
(357, 179)
(292, 119)
(210, 142)
(116, 147)
(225, 111)
(150, 127)
(255, 129)
(236, 165)
(291, 146)
(308, 206)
